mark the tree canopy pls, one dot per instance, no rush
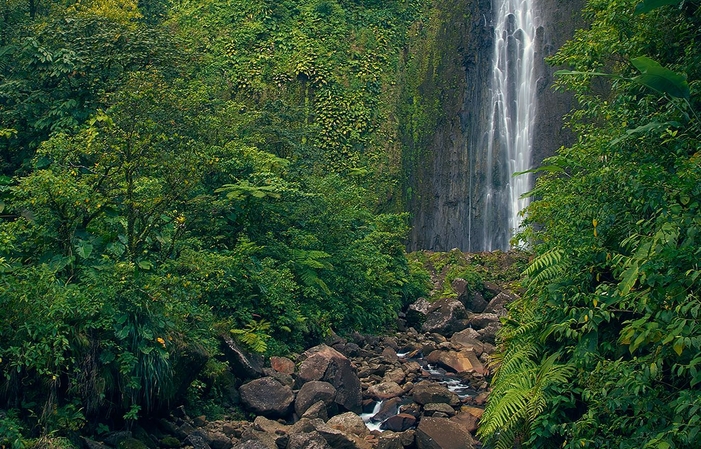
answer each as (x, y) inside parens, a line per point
(174, 172)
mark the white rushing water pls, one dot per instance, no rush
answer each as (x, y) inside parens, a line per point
(513, 105)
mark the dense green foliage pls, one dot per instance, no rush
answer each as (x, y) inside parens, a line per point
(173, 172)
(603, 349)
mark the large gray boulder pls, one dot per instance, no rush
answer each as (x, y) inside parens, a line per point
(323, 363)
(267, 397)
(445, 317)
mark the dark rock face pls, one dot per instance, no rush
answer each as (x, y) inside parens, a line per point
(267, 397)
(447, 178)
(243, 364)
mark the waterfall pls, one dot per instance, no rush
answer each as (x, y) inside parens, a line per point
(511, 120)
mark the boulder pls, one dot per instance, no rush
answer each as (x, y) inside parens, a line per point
(264, 439)
(396, 375)
(428, 392)
(282, 365)
(459, 286)
(305, 425)
(197, 442)
(481, 320)
(338, 439)
(244, 364)
(489, 333)
(399, 423)
(417, 311)
(252, 444)
(430, 409)
(390, 440)
(313, 392)
(388, 409)
(268, 397)
(285, 379)
(389, 355)
(421, 305)
(263, 424)
(473, 302)
(498, 304)
(311, 440)
(326, 364)
(317, 411)
(458, 361)
(349, 422)
(441, 433)
(445, 316)
(468, 418)
(385, 390)
(468, 339)
(217, 440)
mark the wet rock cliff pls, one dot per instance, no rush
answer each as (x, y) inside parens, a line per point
(445, 110)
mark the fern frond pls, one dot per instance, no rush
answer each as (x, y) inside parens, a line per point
(545, 267)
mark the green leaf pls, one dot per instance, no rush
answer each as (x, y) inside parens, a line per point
(678, 346)
(145, 265)
(649, 5)
(84, 249)
(660, 79)
(628, 279)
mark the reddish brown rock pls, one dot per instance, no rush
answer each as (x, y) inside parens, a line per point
(282, 365)
(468, 418)
(459, 362)
(385, 390)
(399, 423)
(326, 364)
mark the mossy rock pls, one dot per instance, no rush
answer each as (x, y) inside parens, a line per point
(170, 442)
(133, 443)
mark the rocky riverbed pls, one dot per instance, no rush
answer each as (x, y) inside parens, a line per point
(423, 387)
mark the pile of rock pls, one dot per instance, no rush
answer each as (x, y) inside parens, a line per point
(316, 400)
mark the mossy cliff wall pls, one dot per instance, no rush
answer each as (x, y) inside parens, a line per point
(444, 109)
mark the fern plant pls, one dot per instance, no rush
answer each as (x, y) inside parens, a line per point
(523, 382)
(255, 335)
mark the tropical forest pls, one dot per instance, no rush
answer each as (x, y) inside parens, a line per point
(358, 224)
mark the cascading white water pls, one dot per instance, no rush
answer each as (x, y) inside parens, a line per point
(511, 120)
